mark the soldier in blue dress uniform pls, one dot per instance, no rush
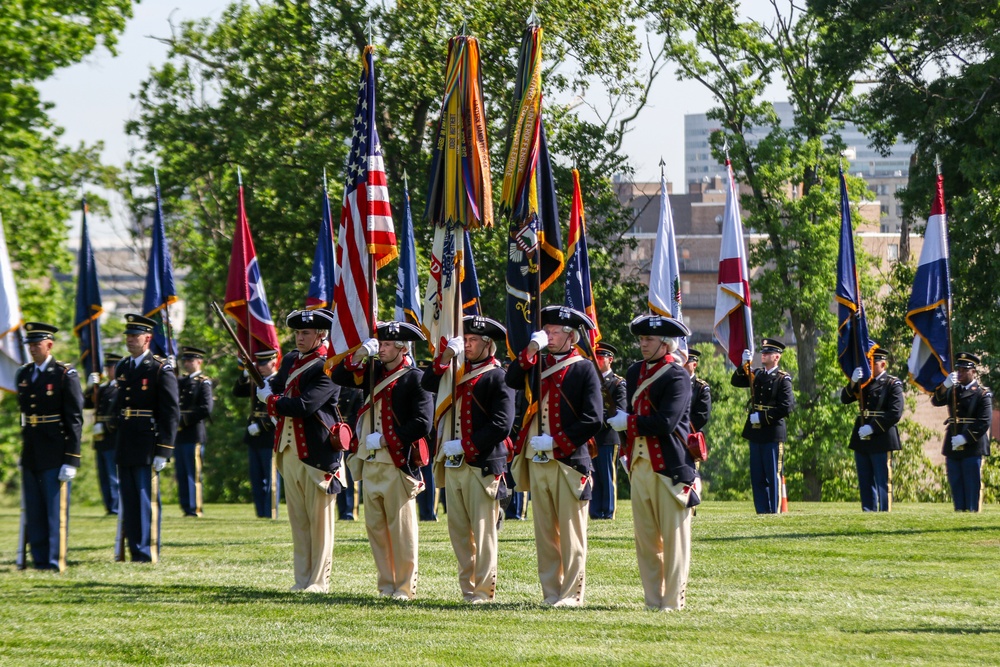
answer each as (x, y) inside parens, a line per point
(51, 404)
(701, 394)
(148, 413)
(602, 505)
(104, 429)
(259, 435)
(772, 400)
(967, 441)
(875, 436)
(196, 401)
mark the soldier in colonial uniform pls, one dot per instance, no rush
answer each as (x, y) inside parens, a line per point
(553, 459)
(665, 483)
(349, 405)
(195, 389)
(701, 394)
(48, 392)
(602, 505)
(303, 400)
(105, 422)
(874, 436)
(472, 459)
(259, 436)
(391, 451)
(967, 441)
(772, 400)
(148, 412)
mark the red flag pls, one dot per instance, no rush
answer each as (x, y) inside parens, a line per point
(246, 301)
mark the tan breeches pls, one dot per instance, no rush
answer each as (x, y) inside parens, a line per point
(311, 515)
(472, 525)
(391, 522)
(560, 535)
(662, 538)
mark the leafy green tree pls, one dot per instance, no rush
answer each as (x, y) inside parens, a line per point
(40, 177)
(271, 87)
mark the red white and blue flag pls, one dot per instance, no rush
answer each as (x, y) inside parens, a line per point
(366, 238)
(733, 317)
(929, 310)
(246, 300)
(579, 293)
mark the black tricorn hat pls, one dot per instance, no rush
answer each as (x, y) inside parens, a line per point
(320, 319)
(771, 345)
(658, 325)
(606, 350)
(401, 331)
(138, 324)
(966, 360)
(38, 331)
(566, 316)
(188, 352)
(484, 326)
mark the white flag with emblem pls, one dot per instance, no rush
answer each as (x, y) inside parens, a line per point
(12, 354)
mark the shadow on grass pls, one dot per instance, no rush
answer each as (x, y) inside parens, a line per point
(933, 631)
(847, 533)
(91, 592)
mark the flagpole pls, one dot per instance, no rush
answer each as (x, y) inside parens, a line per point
(951, 351)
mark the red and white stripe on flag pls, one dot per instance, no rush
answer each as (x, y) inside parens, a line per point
(733, 318)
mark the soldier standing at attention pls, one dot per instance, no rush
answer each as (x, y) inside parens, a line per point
(303, 400)
(874, 436)
(104, 429)
(665, 483)
(390, 454)
(148, 413)
(48, 392)
(602, 505)
(554, 462)
(196, 401)
(772, 400)
(701, 394)
(472, 459)
(970, 412)
(259, 435)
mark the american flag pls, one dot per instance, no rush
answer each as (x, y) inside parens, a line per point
(366, 229)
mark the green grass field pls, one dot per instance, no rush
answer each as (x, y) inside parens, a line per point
(824, 585)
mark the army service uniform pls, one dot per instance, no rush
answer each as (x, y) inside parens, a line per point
(104, 435)
(196, 402)
(602, 505)
(259, 439)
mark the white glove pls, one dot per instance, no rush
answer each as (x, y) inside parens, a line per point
(172, 360)
(98, 428)
(857, 375)
(619, 421)
(958, 441)
(159, 463)
(456, 345)
(542, 443)
(253, 429)
(951, 380)
(754, 417)
(373, 441)
(246, 373)
(66, 473)
(263, 393)
(92, 379)
(865, 432)
(540, 338)
(452, 448)
(747, 356)
(369, 348)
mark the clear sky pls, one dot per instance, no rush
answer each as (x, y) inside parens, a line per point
(93, 100)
